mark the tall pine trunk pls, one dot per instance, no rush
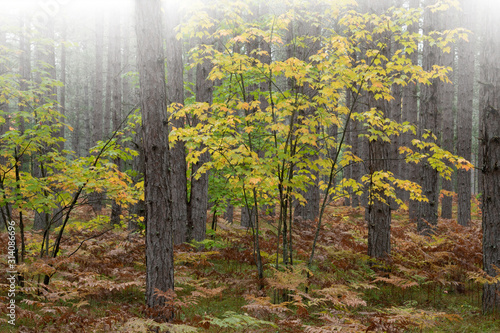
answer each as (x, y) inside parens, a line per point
(116, 94)
(490, 152)
(466, 62)
(45, 55)
(175, 95)
(4, 127)
(153, 96)
(309, 210)
(447, 97)
(198, 201)
(427, 214)
(378, 214)
(410, 114)
(96, 198)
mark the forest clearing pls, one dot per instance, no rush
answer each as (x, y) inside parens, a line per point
(250, 166)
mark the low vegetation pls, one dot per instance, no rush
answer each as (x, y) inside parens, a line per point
(429, 284)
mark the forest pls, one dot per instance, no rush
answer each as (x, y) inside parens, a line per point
(250, 166)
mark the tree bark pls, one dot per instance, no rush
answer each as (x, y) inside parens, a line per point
(24, 67)
(175, 95)
(4, 127)
(309, 210)
(447, 97)
(395, 164)
(108, 112)
(96, 199)
(490, 152)
(45, 54)
(347, 172)
(159, 247)
(410, 114)
(427, 214)
(229, 213)
(378, 212)
(75, 135)
(128, 93)
(116, 86)
(62, 91)
(87, 121)
(198, 201)
(98, 93)
(248, 214)
(355, 168)
(466, 62)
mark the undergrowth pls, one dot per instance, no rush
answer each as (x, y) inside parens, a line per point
(429, 284)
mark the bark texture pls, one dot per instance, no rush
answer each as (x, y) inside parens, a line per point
(427, 213)
(466, 62)
(116, 94)
(490, 139)
(159, 247)
(108, 112)
(310, 209)
(95, 198)
(410, 114)
(446, 100)
(378, 212)
(175, 95)
(62, 90)
(45, 54)
(4, 107)
(198, 201)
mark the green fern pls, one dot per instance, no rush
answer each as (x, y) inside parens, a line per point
(235, 320)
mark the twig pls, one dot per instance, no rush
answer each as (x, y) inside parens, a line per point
(95, 236)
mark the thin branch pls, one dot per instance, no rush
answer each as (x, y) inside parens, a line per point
(91, 237)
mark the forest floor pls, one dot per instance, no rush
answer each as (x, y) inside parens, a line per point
(429, 284)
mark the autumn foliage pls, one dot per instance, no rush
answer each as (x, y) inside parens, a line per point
(100, 288)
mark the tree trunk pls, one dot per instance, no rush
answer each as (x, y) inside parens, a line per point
(310, 209)
(87, 121)
(355, 168)
(46, 56)
(116, 86)
(446, 99)
(466, 62)
(229, 213)
(491, 195)
(175, 95)
(108, 112)
(96, 199)
(347, 172)
(24, 67)
(138, 209)
(4, 127)
(198, 201)
(490, 139)
(248, 215)
(128, 94)
(394, 163)
(75, 135)
(62, 91)
(410, 114)
(427, 214)
(98, 87)
(265, 87)
(378, 212)
(159, 247)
